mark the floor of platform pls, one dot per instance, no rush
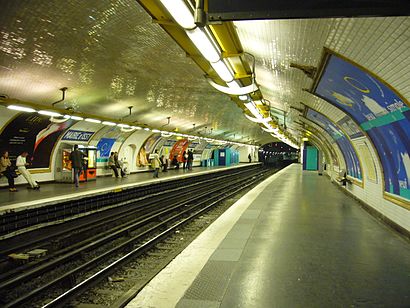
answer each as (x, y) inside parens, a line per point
(53, 190)
(295, 240)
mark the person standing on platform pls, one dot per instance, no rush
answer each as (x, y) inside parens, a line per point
(76, 158)
(175, 162)
(184, 159)
(155, 163)
(111, 164)
(21, 164)
(164, 163)
(7, 171)
(190, 159)
(250, 158)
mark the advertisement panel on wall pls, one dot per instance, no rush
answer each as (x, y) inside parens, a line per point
(146, 149)
(348, 152)
(35, 134)
(104, 147)
(379, 110)
(179, 147)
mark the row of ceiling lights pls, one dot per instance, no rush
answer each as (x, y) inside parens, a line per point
(57, 117)
(200, 37)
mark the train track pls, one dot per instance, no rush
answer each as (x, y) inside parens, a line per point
(113, 240)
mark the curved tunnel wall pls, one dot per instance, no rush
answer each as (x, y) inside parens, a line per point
(375, 118)
(127, 144)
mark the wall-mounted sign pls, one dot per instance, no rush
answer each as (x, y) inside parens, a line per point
(349, 154)
(178, 149)
(380, 112)
(77, 135)
(35, 134)
(104, 147)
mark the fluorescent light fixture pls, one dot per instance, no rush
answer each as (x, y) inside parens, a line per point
(122, 125)
(137, 127)
(222, 70)
(147, 129)
(204, 44)
(271, 130)
(156, 131)
(180, 12)
(233, 90)
(77, 118)
(108, 123)
(305, 139)
(258, 119)
(20, 108)
(67, 116)
(243, 97)
(49, 113)
(92, 120)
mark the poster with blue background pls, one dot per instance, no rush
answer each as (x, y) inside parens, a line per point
(379, 111)
(104, 148)
(348, 152)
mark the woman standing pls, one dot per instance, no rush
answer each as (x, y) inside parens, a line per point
(5, 169)
(155, 163)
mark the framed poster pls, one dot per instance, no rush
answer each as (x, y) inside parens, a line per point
(349, 154)
(381, 113)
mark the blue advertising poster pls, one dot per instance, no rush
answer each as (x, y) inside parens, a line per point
(104, 147)
(379, 111)
(349, 154)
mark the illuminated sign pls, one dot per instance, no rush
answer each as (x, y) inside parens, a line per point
(349, 154)
(379, 111)
(77, 135)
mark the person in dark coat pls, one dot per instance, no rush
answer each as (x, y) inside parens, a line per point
(250, 158)
(190, 159)
(76, 157)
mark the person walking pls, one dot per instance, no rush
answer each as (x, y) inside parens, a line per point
(76, 157)
(155, 163)
(190, 159)
(7, 171)
(21, 164)
(250, 158)
(111, 164)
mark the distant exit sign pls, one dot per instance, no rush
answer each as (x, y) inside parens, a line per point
(287, 9)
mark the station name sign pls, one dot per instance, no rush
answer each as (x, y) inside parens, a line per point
(77, 135)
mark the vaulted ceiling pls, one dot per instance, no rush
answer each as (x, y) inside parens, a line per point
(111, 55)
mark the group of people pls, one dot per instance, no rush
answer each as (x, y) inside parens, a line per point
(115, 164)
(158, 162)
(9, 171)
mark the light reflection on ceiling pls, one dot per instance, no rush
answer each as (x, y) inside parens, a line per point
(110, 56)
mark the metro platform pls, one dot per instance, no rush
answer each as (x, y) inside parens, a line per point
(295, 240)
(53, 192)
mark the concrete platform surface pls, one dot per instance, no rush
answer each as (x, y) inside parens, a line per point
(295, 240)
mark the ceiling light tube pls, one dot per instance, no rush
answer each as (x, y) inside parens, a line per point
(156, 131)
(67, 116)
(77, 118)
(92, 120)
(122, 125)
(180, 12)
(222, 70)
(233, 90)
(108, 123)
(147, 129)
(137, 127)
(20, 108)
(49, 113)
(243, 97)
(204, 44)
